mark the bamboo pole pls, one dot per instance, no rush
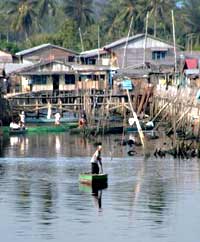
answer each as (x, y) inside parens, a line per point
(174, 40)
(145, 39)
(125, 48)
(136, 121)
(154, 118)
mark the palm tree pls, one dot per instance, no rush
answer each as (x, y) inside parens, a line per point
(47, 19)
(191, 16)
(118, 17)
(80, 11)
(47, 7)
(23, 15)
(160, 11)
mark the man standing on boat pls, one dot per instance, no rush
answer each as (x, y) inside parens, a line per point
(96, 163)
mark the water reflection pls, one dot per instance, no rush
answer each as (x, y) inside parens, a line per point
(36, 145)
(47, 200)
(96, 192)
(41, 198)
(57, 144)
(2, 170)
(20, 144)
(157, 202)
(3, 144)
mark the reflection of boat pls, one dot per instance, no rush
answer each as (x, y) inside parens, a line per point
(95, 190)
(18, 131)
(93, 179)
(91, 188)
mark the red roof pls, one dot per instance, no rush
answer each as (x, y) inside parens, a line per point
(191, 63)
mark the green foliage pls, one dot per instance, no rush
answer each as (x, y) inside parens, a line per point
(22, 13)
(9, 47)
(81, 12)
(66, 37)
(34, 22)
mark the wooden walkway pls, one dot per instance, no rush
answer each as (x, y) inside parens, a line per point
(97, 105)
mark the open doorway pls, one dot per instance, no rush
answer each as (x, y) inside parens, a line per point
(55, 83)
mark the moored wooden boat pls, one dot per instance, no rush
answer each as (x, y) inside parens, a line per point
(100, 130)
(134, 128)
(93, 179)
(18, 131)
(51, 120)
(40, 128)
(52, 128)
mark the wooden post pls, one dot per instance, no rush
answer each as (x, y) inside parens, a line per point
(49, 110)
(37, 108)
(174, 40)
(60, 105)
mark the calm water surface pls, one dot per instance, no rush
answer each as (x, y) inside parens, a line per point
(146, 200)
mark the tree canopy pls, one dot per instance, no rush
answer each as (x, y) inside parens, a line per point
(64, 22)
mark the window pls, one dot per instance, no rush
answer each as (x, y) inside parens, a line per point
(39, 80)
(69, 79)
(71, 58)
(91, 61)
(102, 77)
(158, 55)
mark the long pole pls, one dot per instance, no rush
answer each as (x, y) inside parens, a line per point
(80, 34)
(136, 121)
(125, 47)
(98, 45)
(174, 39)
(145, 38)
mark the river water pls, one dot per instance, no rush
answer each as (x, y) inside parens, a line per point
(146, 200)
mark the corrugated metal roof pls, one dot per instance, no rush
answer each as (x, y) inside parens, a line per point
(94, 52)
(43, 63)
(74, 68)
(191, 63)
(91, 68)
(14, 67)
(39, 47)
(132, 73)
(122, 41)
(45, 73)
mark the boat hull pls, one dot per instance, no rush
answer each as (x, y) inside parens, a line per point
(93, 179)
(52, 120)
(17, 131)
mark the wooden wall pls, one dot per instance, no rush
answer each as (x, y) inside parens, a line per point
(135, 57)
(48, 53)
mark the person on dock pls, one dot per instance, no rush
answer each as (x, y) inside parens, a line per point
(57, 118)
(22, 119)
(96, 161)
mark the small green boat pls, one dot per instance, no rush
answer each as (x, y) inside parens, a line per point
(18, 131)
(91, 179)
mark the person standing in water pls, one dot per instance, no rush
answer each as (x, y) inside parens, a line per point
(96, 161)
